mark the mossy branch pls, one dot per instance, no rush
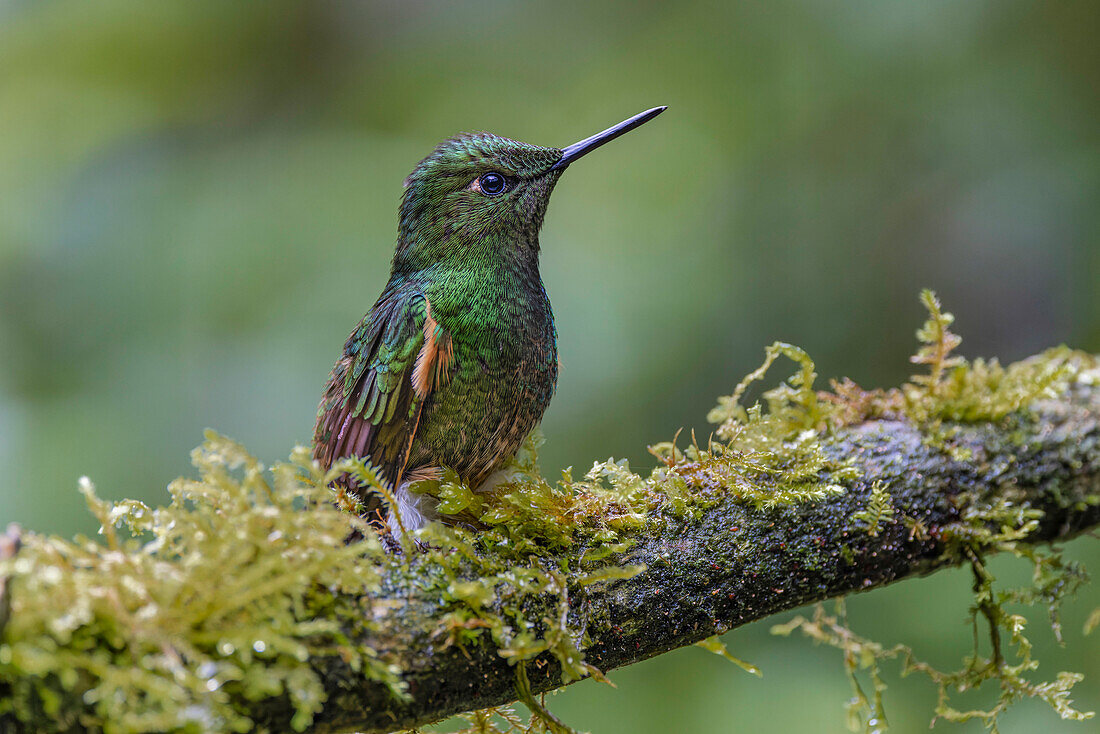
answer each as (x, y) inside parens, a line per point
(237, 608)
(738, 563)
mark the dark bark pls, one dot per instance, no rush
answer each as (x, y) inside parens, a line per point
(738, 564)
(735, 564)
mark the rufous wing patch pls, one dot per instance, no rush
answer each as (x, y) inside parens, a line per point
(434, 358)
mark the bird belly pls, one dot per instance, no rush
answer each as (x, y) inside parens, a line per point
(478, 419)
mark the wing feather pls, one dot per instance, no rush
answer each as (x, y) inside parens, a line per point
(391, 365)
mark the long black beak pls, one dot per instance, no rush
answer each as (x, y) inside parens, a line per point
(576, 150)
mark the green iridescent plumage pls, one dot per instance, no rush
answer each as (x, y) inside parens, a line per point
(457, 360)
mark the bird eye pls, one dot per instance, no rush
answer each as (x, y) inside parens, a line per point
(492, 183)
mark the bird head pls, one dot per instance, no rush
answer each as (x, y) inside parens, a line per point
(479, 196)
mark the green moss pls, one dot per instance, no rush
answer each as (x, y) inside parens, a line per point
(767, 458)
(1005, 659)
(715, 645)
(1092, 622)
(185, 655)
(864, 712)
(954, 390)
(862, 656)
(792, 405)
(879, 510)
(132, 632)
(763, 455)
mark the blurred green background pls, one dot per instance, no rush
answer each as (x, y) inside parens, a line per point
(197, 203)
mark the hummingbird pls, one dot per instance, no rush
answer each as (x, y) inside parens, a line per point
(457, 360)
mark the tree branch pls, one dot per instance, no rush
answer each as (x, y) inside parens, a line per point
(738, 564)
(241, 589)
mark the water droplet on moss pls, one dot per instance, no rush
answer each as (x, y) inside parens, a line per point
(259, 646)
